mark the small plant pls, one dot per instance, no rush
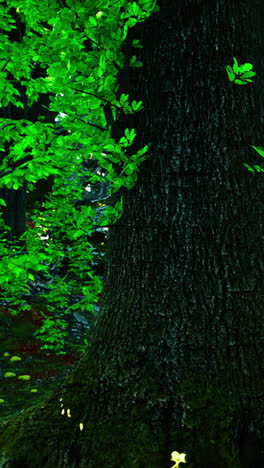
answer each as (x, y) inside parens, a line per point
(177, 458)
(240, 74)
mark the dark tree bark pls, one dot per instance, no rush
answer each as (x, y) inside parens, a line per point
(175, 361)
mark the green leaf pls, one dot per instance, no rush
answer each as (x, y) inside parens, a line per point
(92, 20)
(136, 43)
(137, 105)
(248, 167)
(8, 375)
(259, 168)
(77, 233)
(134, 9)
(248, 75)
(259, 149)
(235, 66)
(245, 67)
(15, 358)
(143, 150)
(240, 82)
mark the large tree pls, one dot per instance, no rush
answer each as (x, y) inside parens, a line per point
(176, 357)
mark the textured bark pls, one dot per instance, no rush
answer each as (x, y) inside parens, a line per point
(176, 357)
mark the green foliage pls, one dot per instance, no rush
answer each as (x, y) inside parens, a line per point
(81, 42)
(15, 358)
(260, 151)
(241, 75)
(24, 377)
(8, 375)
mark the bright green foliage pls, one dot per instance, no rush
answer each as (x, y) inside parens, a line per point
(7, 375)
(15, 358)
(241, 75)
(260, 151)
(56, 37)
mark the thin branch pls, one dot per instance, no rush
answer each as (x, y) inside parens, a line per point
(7, 125)
(88, 123)
(8, 60)
(98, 97)
(5, 173)
(17, 253)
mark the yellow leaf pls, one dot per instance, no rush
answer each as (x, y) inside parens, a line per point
(178, 458)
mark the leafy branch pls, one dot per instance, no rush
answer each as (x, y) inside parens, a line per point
(241, 75)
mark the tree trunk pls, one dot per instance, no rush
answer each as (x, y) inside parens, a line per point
(175, 362)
